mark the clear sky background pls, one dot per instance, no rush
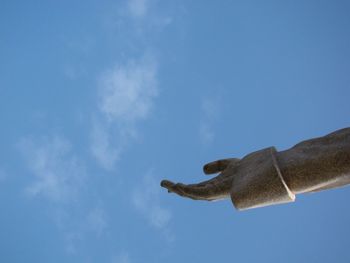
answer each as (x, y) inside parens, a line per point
(100, 100)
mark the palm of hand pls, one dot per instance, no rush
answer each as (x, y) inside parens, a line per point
(213, 189)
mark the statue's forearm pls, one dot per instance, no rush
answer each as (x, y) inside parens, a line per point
(317, 164)
(268, 177)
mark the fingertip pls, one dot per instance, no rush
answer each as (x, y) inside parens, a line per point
(219, 165)
(166, 184)
(206, 169)
(211, 168)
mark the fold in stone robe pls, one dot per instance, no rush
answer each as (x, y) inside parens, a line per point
(268, 177)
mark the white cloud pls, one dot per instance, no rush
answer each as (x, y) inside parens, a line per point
(72, 238)
(210, 108)
(126, 96)
(138, 8)
(206, 133)
(144, 16)
(145, 199)
(121, 258)
(78, 226)
(159, 216)
(96, 221)
(101, 147)
(127, 91)
(60, 176)
(58, 173)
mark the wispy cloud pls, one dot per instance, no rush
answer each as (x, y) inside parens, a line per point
(126, 96)
(206, 132)
(58, 172)
(145, 199)
(139, 21)
(96, 221)
(123, 257)
(59, 176)
(138, 8)
(210, 109)
(101, 146)
(146, 14)
(78, 226)
(71, 239)
(127, 91)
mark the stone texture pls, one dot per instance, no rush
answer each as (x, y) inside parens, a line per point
(268, 177)
(259, 182)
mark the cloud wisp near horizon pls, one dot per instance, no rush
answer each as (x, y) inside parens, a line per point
(125, 97)
(59, 173)
(210, 112)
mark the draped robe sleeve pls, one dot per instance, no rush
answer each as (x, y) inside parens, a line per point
(268, 177)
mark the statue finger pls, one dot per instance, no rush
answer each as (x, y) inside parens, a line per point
(167, 184)
(219, 165)
(173, 188)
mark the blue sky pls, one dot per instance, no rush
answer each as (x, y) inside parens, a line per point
(100, 100)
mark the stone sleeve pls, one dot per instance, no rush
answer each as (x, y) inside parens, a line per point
(317, 164)
(269, 177)
(259, 182)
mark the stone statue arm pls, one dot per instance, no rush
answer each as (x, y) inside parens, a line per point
(268, 177)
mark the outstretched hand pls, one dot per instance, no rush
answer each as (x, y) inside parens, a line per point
(213, 189)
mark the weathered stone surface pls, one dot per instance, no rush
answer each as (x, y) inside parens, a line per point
(258, 181)
(268, 177)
